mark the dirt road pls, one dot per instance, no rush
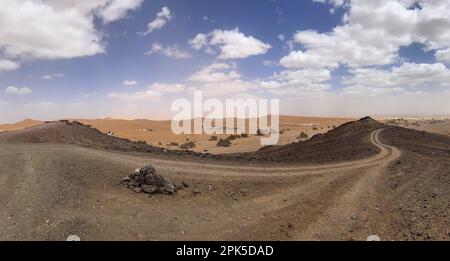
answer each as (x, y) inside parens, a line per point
(50, 191)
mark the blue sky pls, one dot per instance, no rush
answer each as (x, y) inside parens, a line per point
(325, 58)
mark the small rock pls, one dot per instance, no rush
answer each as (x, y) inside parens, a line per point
(140, 180)
(196, 191)
(133, 183)
(149, 189)
(137, 189)
(373, 238)
(148, 170)
(186, 185)
(178, 186)
(150, 180)
(73, 238)
(169, 188)
(354, 217)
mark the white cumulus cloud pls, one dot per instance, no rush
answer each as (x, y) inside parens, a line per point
(162, 18)
(400, 78)
(216, 72)
(165, 87)
(55, 29)
(199, 41)
(18, 90)
(172, 52)
(220, 79)
(140, 96)
(443, 56)
(232, 44)
(129, 82)
(52, 76)
(7, 65)
(303, 82)
(372, 34)
(117, 9)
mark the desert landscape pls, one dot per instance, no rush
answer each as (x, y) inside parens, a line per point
(308, 120)
(362, 178)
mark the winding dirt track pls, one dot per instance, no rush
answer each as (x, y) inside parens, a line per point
(387, 154)
(50, 191)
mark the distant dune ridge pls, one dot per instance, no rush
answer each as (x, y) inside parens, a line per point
(20, 125)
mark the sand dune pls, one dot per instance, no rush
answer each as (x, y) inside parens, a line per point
(19, 125)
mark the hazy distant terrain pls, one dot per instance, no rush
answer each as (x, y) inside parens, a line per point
(435, 125)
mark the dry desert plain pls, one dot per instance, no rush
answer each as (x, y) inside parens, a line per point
(356, 179)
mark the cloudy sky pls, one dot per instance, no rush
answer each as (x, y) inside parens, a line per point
(132, 58)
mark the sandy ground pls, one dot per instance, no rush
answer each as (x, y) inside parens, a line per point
(51, 191)
(19, 125)
(439, 126)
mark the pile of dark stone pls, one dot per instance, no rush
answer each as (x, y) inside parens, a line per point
(146, 180)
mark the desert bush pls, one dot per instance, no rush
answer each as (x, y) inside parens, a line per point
(224, 143)
(303, 135)
(231, 137)
(188, 145)
(259, 133)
